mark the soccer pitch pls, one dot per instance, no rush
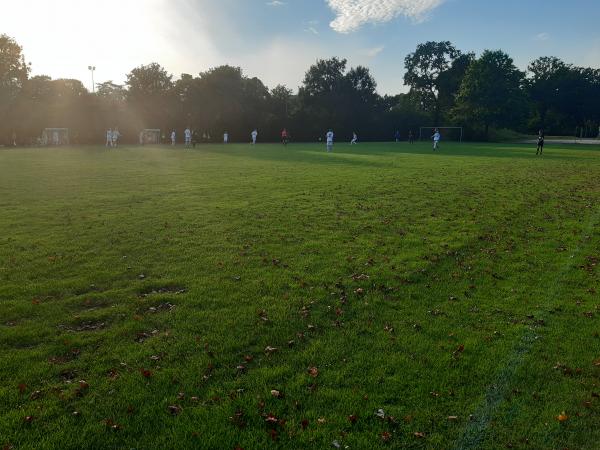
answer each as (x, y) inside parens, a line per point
(382, 296)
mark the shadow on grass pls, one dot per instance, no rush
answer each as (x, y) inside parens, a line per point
(344, 155)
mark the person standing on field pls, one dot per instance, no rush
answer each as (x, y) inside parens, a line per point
(284, 137)
(354, 139)
(115, 137)
(109, 142)
(329, 136)
(436, 139)
(411, 137)
(226, 138)
(188, 137)
(173, 138)
(540, 143)
(254, 135)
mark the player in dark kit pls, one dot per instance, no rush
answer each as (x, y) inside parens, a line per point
(284, 137)
(540, 143)
(411, 137)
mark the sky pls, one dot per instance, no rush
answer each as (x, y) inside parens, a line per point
(277, 40)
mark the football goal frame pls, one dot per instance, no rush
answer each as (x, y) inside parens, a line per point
(55, 137)
(150, 136)
(441, 129)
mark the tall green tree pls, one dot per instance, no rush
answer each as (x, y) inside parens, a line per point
(150, 95)
(333, 97)
(492, 93)
(14, 72)
(425, 69)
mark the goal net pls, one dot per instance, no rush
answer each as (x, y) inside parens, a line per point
(55, 136)
(448, 133)
(149, 137)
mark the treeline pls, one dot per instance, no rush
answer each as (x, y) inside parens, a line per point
(447, 87)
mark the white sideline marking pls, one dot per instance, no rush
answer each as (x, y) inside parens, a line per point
(475, 431)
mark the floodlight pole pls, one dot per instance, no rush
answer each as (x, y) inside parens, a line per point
(92, 69)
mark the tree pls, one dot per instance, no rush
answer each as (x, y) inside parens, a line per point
(13, 75)
(491, 92)
(424, 73)
(149, 94)
(332, 97)
(544, 84)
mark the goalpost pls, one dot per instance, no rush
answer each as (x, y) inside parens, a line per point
(55, 136)
(150, 137)
(448, 133)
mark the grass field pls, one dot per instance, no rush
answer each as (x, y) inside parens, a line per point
(378, 297)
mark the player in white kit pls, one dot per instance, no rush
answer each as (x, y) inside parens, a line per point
(225, 137)
(109, 138)
(329, 137)
(188, 137)
(436, 139)
(173, 137)
(254, 135)
(115, 137)
(354, 139)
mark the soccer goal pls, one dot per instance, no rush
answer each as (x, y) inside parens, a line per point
(150, 137)
(448, 133)
(55, 136)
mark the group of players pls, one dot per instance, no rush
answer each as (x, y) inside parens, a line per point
(191, 138)
(112, 137)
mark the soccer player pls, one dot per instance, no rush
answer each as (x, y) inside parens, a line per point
(397, 136)
(188, 137)
(354, 139)
(109, 138)
(284, 137)
(329, 137)
(540, 143)
(195, 138)
(225, 138)
(14, 138)
(254, 135)
(411, 137)
(115, 137)
(436, 139)
(173, 138)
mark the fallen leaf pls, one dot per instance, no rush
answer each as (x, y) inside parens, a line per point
(271, 419)
(419, 435)
(385, 436)
(174, 409)
(321, 420)
(562, 417)
(146, 373)
(277, 394)
(304, 424)
(352, 418)
(270, 350)
(313, 372)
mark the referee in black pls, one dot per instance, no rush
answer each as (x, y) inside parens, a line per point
(540, 143)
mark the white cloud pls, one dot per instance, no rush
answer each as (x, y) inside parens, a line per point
(352, 14)
(372, 52)
(275, 3)
(542, 37)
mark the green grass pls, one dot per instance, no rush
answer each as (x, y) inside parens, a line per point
(458, 284)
